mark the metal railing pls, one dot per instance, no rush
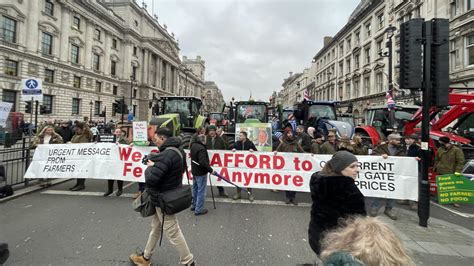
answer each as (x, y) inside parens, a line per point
(15, 159)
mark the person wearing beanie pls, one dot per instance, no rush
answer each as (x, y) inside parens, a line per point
(391, 148)
(316, 143)
(334, 195)
(216, 142)
(330, 146)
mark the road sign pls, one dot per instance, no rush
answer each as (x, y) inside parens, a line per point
(32, 89)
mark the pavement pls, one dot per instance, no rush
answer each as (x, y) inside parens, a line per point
(55, 226)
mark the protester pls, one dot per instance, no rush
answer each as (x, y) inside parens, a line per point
(243, 144)
(164, 174)
(364, 241)
(358, 147)
(316, 143)
(290, 144)
(276, 140)
(82, 135)
(303, 138)
(219, 131)
(449, 159)
(334, 195)
(311, 131)
(392, 148)
(65, 131)
(216, 142)
(292, 123)
(345, 144)
(120, 137)
(330, 146)
(413, 150)
(46, 136)
(200, 168)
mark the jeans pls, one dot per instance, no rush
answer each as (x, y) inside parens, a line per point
(199, 192)
(173, 233)
(388, 203)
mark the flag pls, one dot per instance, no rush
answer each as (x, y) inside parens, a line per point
(390, 101)
(306, 95)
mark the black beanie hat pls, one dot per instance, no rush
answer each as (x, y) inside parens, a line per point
(340, 160)
(444, 139)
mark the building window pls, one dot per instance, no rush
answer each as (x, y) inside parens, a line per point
(357, 38)
(348, 64)
(134, 72)
(367, 55)
(75, 106)
(74, 54)
(96, 62)
(379, 47)
(341, 49)
(11, 67)
(470, 5)
(114, 90)
(379, 82)
(49, 75)
(98, 86)
(114, 43)
(8, 30)
(454, 8)
(454, 55)
(48, 103)
(356, 88)
(381, 20)
(356, 61)
(368, 30)
(134, 50)
(49, 7)
(76, 23)
(77, 82)
(97, 34)
(341, 68)
(9, 97)
(135, 91)
(366, 86)
(47, 43)
(348, 91)
(470, 49)
(348, 42)
(97, 108)
(113, 68)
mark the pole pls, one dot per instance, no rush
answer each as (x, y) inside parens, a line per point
(36, 112)
(105, 114)
(212, 192)
(90, 117)
(30, 132)
(131, 92)
(122, 108)
(390, 81)
(423, 188)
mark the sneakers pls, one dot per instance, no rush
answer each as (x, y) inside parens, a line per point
(237, 196)
(192, 208)
(119, 192)
(202, 212)
(373, 212)
(137, 259)
(223, 194)
(251, 198)
(294, 202)
(389, 212)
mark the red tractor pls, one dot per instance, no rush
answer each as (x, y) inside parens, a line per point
(458, 117)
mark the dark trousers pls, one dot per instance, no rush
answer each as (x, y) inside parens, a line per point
(290, 194)
(80, 181)
(141, 187)
(110, 185)
(220, 189)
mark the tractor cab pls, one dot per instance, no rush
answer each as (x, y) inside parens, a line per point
(186, 107)
(378, 117)
(245, 110)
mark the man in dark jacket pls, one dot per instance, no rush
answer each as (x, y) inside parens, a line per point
(303, 138)
(163, 174)
(65, 132)
(200, 168)
(413, 150)
(216, 142)
(392, 148)
(243, 144)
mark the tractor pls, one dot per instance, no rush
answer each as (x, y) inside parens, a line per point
(218, 120)
(322, 116)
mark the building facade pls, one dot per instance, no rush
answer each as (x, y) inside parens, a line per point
(352, 66)
(89, 54)
(212, 97)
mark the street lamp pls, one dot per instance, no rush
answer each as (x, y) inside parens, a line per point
(328, 73)
(132, 81)
(91, 103)
(390, 31)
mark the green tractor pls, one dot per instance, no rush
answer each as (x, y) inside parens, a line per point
(180, 114)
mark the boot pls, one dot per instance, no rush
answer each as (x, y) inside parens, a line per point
(237, 196)
(251, 198)
(373, 212)
(137, 259)
(108, 192)
(287, 200)
(390, 214)
(79, 187)
(202, 212)
(223, 194)
(294, 202)
(119, 192)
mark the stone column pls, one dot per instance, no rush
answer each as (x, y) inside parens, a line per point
(88, 46)
(146, 66)
(32, 31)
(107, 47)
(127, 60)
(65, 29)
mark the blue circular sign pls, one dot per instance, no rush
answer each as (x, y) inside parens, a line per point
(31, 84)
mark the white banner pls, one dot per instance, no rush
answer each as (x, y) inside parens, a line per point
(4, 111)
(394, 177)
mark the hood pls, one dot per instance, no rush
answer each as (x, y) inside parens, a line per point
(330, 186)
(171, 142)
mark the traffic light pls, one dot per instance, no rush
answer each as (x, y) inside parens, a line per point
(28, 107)
(411, 75)
(440, 62)
(44, 109)
(118, 105)
(102, 114)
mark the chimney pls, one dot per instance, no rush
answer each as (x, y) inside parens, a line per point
(291, 73)
(327, 40)
(198, 57)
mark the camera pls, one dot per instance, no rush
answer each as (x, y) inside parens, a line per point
(145, 159)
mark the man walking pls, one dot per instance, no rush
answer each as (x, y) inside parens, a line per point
(216, 142)
(243, 144)
(392, 148)
(165, 174)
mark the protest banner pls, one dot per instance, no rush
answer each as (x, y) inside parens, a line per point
(108, 138)
(394, 177)
(258, 133)
(140, 133)
(455, 189)
(4, 111)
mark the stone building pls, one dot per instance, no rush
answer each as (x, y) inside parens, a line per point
(212, 98)
(352, 66)
(88, 54)
(192, 76)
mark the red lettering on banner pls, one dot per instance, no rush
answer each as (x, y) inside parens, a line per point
(237, 177)
(287, 177)
(137, 172)
(216, 160)
(239, 158)
(306, 165)
(228, 159)
(247, 177)
(251, 161)
(278, 162)
(298, 181)
(262, 178)
(297, 163)
(136, 156)
(224, 173)
(265, 162)
(124, 153)
(275, 180)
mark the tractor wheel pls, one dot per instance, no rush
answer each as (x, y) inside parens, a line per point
(185, 139)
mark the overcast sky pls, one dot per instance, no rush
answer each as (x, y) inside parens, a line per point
(251, 45)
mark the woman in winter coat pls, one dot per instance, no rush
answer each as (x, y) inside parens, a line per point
(120, 138)
(289, 144)
(46, 136)
(334, 195)
(82, 135)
